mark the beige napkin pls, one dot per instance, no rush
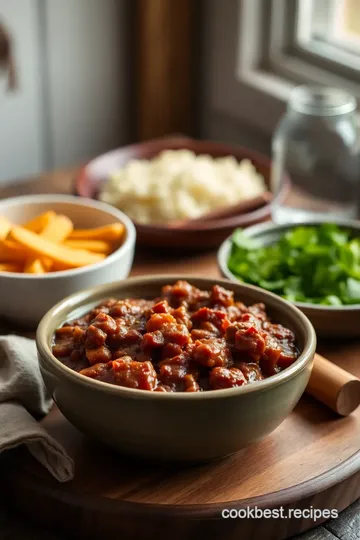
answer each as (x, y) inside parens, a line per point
(23, 394)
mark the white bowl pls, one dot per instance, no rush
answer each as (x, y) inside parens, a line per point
(25, 298)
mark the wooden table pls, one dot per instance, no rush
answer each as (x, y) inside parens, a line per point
(346, 527)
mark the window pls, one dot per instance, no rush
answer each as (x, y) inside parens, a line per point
(258, 50)
(316, 41)
(331, 29)
(287, 42)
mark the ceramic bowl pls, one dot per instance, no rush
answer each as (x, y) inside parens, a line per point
(328, 321)
(184, 426)
(198, 236)
(25, 298)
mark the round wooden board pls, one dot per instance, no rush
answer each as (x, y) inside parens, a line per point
(311, 460)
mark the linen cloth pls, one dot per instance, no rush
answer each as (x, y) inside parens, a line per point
(23, 397)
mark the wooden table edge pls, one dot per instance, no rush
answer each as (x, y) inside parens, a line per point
(284, 497)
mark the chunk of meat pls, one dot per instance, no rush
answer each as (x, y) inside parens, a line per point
(64, 344)
(206, 315)
(132, 374)
(180, 292)
(106, 323)
(285, 339)
(200, 333)
(101, 372)
(280, 332)
(152, 340)
(181, 315)
(179, 374)
(176, 333)
(221, 297)
(160, 307)
(210, 327)
(172, 331)
(211, 353)
(252, 372)
(170, 350)
(251, 319)
(158, 320)
(63, 348)
(102, 307)
(221, 378)
(190, 383)
(101, 355)
(246, 340)
(181, 359)
(184, 293)
(79, 336)
(123, 336)
(64, 331)
(129, 309)
(287, 356)
(94, 337)
(268, 361)
(259, 311)
(172, 375)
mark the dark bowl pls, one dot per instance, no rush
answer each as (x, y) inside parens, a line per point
(206, 235)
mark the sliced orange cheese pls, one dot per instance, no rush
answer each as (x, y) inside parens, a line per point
(97, 246)
(56, 230)
(38, 224)
(5, 227)
(59, 253)
(108, 233)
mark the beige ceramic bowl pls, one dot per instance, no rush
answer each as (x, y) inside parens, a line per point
(25, 298)
(181, 427)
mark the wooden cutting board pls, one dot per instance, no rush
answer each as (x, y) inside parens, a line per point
(311, 460)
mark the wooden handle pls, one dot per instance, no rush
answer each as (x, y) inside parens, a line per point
(334, 386)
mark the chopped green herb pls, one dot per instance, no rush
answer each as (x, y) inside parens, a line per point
(316, 264)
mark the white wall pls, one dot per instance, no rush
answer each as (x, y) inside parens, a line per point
(86, 77)
(21, 126)
(71, 104)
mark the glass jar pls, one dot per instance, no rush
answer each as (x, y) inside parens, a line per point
(316, 144)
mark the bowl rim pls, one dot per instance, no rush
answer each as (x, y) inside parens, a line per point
(262, 228)
(156, 146)
(74, 200)
(86, 297)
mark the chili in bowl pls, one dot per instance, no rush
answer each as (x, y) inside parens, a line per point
(176, 368)
(185, 340)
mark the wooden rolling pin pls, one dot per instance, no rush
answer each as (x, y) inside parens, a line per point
(334, 386)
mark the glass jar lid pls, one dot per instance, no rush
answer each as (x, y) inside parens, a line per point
(318, 100)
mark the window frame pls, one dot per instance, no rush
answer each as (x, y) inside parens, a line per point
(300, 50)
(270, 61)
